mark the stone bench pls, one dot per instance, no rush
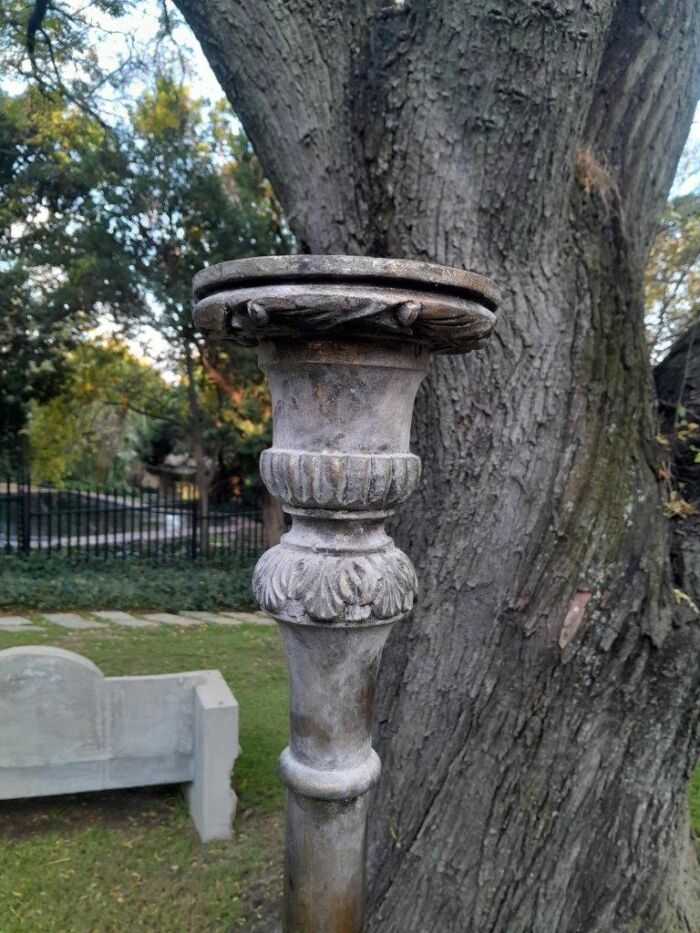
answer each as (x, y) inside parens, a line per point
(66, 728)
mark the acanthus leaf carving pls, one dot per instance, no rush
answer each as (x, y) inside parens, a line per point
(305, 585)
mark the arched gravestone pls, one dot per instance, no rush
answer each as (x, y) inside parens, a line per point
(66, 728)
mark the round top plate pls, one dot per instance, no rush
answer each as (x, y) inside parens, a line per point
(398, 272)
(450, 310)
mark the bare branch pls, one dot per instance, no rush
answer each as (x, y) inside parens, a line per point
(36, 18)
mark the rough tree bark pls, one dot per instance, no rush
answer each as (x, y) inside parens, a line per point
(538, 717)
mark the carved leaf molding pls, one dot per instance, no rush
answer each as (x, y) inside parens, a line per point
(448, 324)
(305, 585)
(320, 480)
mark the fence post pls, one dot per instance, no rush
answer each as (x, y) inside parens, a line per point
(8, 520)
(27, 516)
(195, 527)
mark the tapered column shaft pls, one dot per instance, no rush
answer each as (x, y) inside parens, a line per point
(324, 883)
(336, 583)
(328, 768)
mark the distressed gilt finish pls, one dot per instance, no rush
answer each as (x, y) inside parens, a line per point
(345, 343)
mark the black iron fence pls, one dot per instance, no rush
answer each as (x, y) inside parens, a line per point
(157, 524)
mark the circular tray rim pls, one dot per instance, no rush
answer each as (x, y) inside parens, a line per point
(260, 270)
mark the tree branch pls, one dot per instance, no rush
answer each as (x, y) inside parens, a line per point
(655, 118)
(36, 18)
(217, 377)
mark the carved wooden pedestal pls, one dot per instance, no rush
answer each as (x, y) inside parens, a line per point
(345, 343)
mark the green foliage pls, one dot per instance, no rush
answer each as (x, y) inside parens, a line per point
(194, 195)
(87, 54)
(56, 247)
(58, 583)
(672, 280)
(197, 195)
(130, 860)
(58, 223)
(90, 429)
(107, 228)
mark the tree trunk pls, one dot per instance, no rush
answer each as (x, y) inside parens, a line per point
(201, 472)
(538, 716)
(272, 520)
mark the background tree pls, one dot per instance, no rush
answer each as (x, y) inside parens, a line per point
(57, 247)
(104, 227)
(91, 429)
(234, 409)
(54, 47)
(672, 298)
(193, 194)
(538, 719)
(672, 279)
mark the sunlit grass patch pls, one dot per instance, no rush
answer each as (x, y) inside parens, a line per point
(130, 860)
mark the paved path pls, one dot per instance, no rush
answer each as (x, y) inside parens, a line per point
(105, 617)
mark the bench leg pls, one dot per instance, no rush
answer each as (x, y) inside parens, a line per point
(211, 800)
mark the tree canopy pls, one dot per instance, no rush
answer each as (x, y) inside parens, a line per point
(101, 230)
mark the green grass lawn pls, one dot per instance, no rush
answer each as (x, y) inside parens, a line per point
(123, 861)
(130, 860)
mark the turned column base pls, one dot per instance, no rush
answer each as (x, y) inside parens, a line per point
(324, 884)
